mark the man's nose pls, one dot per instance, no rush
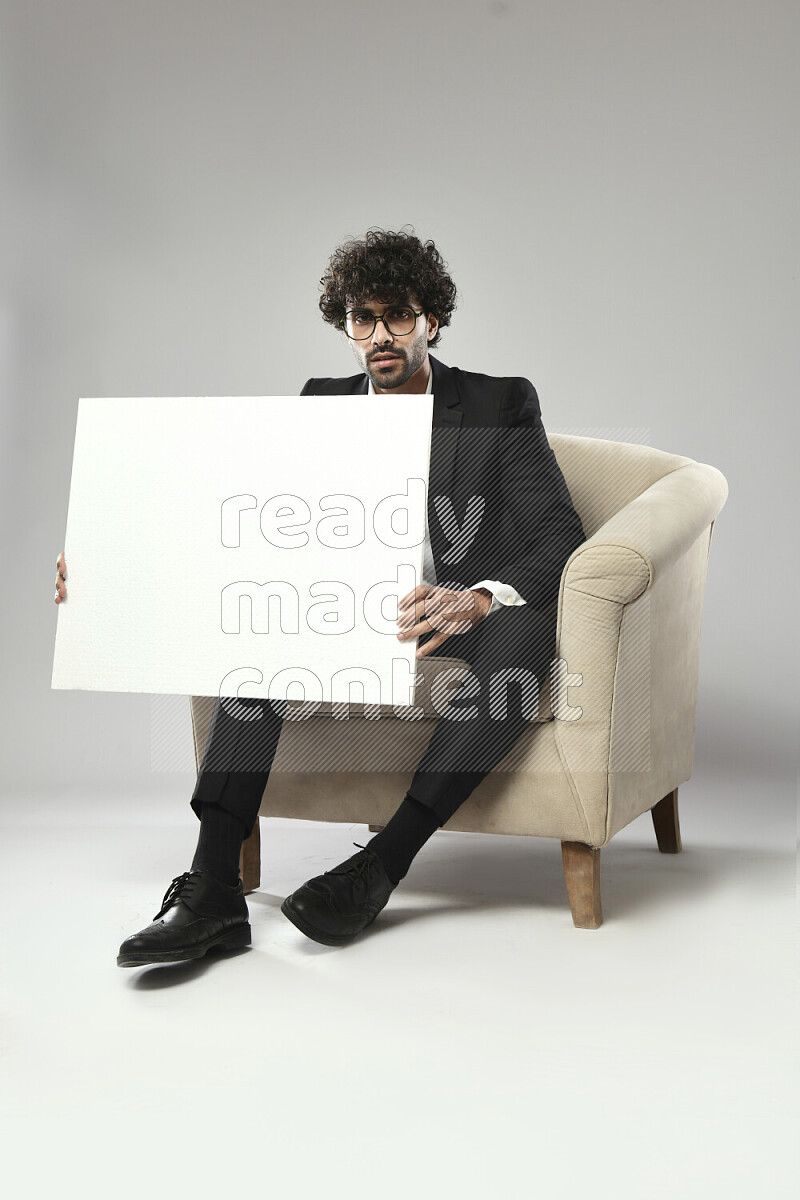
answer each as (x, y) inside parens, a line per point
(381, 334)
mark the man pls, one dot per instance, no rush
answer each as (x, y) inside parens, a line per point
(500, 528)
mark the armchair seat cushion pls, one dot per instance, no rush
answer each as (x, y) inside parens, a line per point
(360, 772)
(430, 696)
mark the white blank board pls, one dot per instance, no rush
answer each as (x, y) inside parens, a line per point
(175, 538)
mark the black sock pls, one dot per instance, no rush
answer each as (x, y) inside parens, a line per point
(406, 833)
(220, 843)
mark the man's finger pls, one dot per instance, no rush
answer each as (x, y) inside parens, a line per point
(432, 644)
(413, 616)
(435, 603)
(420, 590)
(414, 629)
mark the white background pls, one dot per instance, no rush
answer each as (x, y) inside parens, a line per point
(614, 184)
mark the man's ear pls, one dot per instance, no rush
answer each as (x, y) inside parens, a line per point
(433, 325)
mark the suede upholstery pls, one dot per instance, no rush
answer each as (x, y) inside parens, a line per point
(629, 617)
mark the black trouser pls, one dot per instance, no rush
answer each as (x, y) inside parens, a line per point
(482, 726)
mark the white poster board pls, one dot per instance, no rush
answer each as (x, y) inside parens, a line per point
(233, 545)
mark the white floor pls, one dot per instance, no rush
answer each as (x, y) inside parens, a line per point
(471, 1043)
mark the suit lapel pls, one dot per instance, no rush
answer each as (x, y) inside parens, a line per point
(447, 417)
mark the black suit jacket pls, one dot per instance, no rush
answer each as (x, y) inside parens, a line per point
(490, 459)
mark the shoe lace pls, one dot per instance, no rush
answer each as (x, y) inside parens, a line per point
(359, 870)
(174, 892)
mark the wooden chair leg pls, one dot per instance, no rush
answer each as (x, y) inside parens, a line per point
(250, 860)
(582, 877)
(375, 828)
(666, 824)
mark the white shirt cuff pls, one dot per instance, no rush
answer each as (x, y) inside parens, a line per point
(502, 593)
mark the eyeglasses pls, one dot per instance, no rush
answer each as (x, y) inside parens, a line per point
(359, 323)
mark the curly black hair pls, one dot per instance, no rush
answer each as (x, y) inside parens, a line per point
(388, 266)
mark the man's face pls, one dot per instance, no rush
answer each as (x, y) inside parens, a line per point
(390, 359)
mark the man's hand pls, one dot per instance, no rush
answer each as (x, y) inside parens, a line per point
(445, 609)
(61, 587)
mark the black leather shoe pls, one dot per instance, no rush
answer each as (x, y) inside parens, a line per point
(333, 907)
(200, 912)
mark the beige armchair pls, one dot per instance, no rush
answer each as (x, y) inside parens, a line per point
(614, 735)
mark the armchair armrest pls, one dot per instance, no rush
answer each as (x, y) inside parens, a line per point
(629, 613)
(624, 557)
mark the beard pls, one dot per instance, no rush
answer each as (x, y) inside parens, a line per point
(408, 363)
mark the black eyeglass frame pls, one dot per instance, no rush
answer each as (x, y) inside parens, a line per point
(382, 317)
